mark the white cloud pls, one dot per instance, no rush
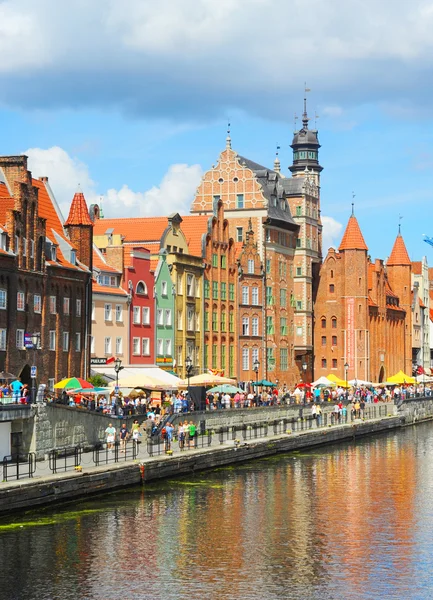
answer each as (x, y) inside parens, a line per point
(197, 57)
(174, 193)
(331, 233)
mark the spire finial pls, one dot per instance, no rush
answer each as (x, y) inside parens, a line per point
(353, 204)
(228, 138)
(305, 118)
(399, 224)
(250, 226)
(277, 164)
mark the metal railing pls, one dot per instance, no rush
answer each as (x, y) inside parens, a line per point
(65, 459)
(104, 455)
(19, 466)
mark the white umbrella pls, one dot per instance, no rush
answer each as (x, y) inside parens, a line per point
(359, 382)
(323, 382)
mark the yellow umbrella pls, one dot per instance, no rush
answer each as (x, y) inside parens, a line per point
(400, 378)
(142, 381)
(338, 381)
(207, 379)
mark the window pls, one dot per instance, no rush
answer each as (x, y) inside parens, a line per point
(283, 326)
(164, 288)
(239, 234)
(214, 356)
(167, 347)
(190, 314)
(298, 271)
(92, 344)
(323, 323)
(239, 201)
(179, 285)
(255, 326)
(284, 359)
(323, 340)
(268, 235)
(214, 321)
(93, 311)
(245, 359)
(206, 320)
(160, 347)
(223, 322)
(270, 359)
(331, 288)
(223, 261)
(66, 306)
(324, 363)
(268, 265)
(52, 341)
(119, 342)
(119, 313)
(3, 339)
(53, 253)
(231, 360)
(215, 290)
(245, 326)
(298, 211)
(160, 317)
(254, 355)
(283, 297)
(245, 294)
(32, 249)
(136, 315)
(299, 331)
(269, 325)
(231, 291)
(107, 312)
(78, 308)
(190, 285)
(298, 304)
(145, 346)
(269, 296)
(223, 357)
(231, 322)
(206, 289)
(179, 320)
(215, 260)
(78, 342)
(20, 338)
(146, 315)
(251, 266)
(21, 304)
(37, 303)
(168, 317)
(3, 299)
(24, 247)
(334, 340)
(65, 338)
(136, 346)
(107, 345)
(197, 321)
(255, 295)
(334, 363)
(298, 242)
(141, 288)
(73, 257)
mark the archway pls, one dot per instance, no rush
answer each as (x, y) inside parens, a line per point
(381, 375)
(25, 375)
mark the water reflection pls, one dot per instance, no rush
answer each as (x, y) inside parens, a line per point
(352, 521)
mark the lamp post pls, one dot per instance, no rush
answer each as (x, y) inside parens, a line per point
(304, 369)
(189, 367)
(256, 366)
(117, 368)
(35, 337)
(346, 369)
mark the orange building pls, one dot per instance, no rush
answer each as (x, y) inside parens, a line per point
(363, 311)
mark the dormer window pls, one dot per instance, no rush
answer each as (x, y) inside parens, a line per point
(4, 241)
(73, 257)
(53, 253)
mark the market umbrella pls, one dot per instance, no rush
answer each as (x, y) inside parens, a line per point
(338, 381)
(5, 375)
(400, 378)
(73, 383)
(95, 390)
(323, 382)
(303, 385)
(208, 379)
(264, 383)
(226, 389)
(142, 381)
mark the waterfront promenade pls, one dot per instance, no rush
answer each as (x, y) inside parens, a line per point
(215, 449)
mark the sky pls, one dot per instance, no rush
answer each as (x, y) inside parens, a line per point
(130, 101)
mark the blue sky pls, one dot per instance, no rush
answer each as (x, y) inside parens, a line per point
(131, 101)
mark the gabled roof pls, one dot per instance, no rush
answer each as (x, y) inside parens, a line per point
(100, 263)
(137, 229)
(417, 267)
(353, 238)
(6, 202)
(78, 213)
(193, 227)
(399, 255)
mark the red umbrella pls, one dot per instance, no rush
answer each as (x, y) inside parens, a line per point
(302, 384)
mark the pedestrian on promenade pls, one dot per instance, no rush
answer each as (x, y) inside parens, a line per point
(123, 435)
(181, 436)
(336, 413)
(362, 409)
(169, 429)
(193, 433)
(16, 387)
(135, 430)
(318, 415)
(110, 433)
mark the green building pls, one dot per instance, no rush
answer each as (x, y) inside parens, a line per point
(165, 295)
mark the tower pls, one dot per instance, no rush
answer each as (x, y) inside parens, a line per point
(80, 229)
(305, 147)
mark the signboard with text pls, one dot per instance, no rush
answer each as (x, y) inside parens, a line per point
(98, 361)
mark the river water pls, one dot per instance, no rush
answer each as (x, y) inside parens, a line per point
(353, 521)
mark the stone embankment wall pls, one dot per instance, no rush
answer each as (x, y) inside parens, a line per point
(414, 410)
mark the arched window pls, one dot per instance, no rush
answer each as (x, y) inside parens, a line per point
(334, 323)
(141, 288)
(323, 323)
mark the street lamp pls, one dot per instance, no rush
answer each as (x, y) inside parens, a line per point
(304, 369)
(117, 368)
(256, 366)
(35, 337)
(346, 368)
(189, 367)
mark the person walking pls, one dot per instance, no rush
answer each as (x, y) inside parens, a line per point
(123, 435)
(318, 415)
(135, 431)
(193, 433)
(110, 433)
(181, 436)
(169, 429)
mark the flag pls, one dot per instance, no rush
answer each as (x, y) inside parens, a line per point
(110, 360)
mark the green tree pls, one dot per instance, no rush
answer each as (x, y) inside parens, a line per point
(98, 380)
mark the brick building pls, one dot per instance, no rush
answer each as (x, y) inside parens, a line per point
(45, 277)
(363, 311)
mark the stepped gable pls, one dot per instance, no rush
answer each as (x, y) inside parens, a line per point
(399, 255)
(78, 213)
(353, 238)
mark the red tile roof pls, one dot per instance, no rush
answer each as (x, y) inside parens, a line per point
(146, 229)
(79, 213)
(399, 255)
(99, 263)
(6, 202)
(106, 289)
(194, 226)
(431, 314)
(417, 267)
(353, 238)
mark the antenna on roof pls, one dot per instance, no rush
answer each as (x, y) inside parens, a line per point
(101, 213)
(277, 164)
(399, 223)
(228, 138)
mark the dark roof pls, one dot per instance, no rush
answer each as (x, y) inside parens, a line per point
(273, 190)
(306, 136)
(293, 185)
